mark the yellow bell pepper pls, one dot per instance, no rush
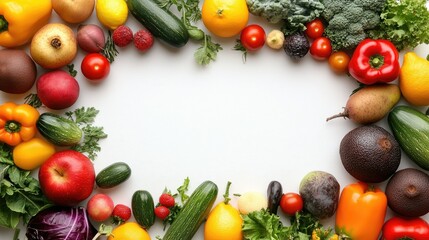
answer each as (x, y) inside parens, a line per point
(20, 20)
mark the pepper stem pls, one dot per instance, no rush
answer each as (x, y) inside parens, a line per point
(3, 24)
(226, 195)
(376, 61)
(12, 126)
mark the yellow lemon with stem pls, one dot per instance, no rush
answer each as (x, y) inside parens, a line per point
(225, 18)
(111, 13)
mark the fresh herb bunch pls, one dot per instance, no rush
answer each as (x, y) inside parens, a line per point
(190, 14)
(20, 193)
(84, 118)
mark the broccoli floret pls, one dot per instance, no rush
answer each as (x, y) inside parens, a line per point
(349, 20)
(295, 13)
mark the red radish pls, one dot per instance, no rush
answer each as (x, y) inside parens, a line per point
(166, 200)
(100, 207)
(57, 89)
(121, 213)
(162, 212)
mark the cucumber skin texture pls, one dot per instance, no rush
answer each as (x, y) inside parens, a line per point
(113, 175)
(58, 130)
(411, 129)
(193, 213)
(160, 22)
(143, 208)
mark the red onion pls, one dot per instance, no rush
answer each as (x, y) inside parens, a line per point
(90, 38)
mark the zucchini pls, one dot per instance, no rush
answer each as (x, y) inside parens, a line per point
(411, 129)
(113, 175)
(194, 212)
(59, 130)
(162, 23)
(143, 208)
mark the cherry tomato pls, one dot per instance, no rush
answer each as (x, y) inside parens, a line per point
(314, 29)
(95, 66)
(291, 203)
(252, 37)
(339, 61)
(321, 48)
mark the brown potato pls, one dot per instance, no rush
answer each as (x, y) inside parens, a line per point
(17, 71)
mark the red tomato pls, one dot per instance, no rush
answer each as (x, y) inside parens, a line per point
(291, 203)
(321, 48)
(252, 37)
(315, 28)
(95, 66)
(339, 62)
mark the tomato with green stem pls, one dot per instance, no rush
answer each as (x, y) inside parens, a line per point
(321, 48)
(252, 37)
(95, 66)
(291, 203)
(339, 61)
(314, 29)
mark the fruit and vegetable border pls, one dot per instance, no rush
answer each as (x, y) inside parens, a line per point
(45, 136)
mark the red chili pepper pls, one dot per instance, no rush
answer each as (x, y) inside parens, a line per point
(398, 228)
(375, 61)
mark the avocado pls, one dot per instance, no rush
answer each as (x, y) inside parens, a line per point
(296, 45)
(407, 192)
(370, 153)
(320, 192)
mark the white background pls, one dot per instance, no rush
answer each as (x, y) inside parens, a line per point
(245, 122)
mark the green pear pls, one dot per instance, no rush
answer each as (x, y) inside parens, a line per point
(371, 103)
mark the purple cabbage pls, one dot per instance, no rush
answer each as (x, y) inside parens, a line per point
(66, 223)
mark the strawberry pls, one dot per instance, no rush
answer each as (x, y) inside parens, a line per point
(121, 213)
(122, 36)
(143, 40)
(167, 200)
(162, 212)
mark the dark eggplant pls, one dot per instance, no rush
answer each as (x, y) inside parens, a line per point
(274, 192)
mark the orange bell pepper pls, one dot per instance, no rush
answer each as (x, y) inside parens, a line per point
(361, 212)
(17, 123)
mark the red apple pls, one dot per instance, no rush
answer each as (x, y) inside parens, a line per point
(57, 89)
(67, 177)
(100, 207)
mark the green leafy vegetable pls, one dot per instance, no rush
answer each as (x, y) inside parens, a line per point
(191, 13)
(109, 50)
(265, 225)
(239, 47)
(84, 118)
(20, 193)
(404, 22)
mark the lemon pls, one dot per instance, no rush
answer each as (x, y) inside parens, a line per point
(224, 222)
(112, 13)
(225, 18)
(414, 79)
(129, 231)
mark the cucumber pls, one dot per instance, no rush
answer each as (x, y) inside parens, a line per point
(143, 208)
(411, 129)
(113, 175)
(194, 212)
(162, 23)
(59, 130)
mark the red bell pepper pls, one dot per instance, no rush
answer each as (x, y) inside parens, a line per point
(375, 61)
(398, 228)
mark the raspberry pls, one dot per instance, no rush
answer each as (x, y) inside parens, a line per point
(143, 40)
(121, 213)
(166, 200)
(162, 212)
(122, 36)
